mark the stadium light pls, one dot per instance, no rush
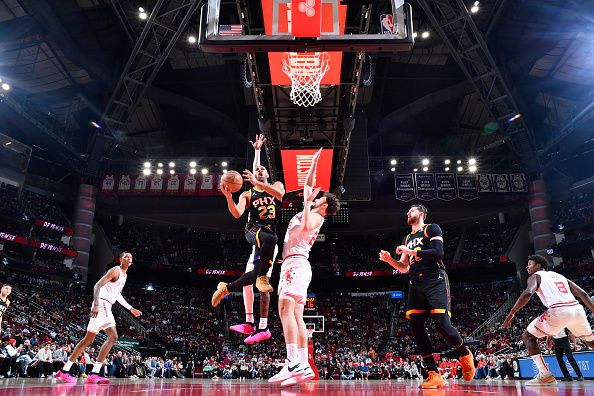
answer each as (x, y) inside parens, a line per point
(192, 39)
(146, 171)
(171, 172)
(415, 170)
(472, 168)
(172, 164)
(415, 34)
(193, 164)
(447, 168)
(393, 169)
(204, 171)
(160, 164)
(460, 169)
(193, 171)
(224, 164)
(393, 162)
(142, 13)
(472, 161)
(425, 34)
(5, 87)
(95, 125)
(447, 162)
(425, 161)
(146, 165)
(159, 171)
(224, 170)
(459, 162)
(425, 169)
(475, 7)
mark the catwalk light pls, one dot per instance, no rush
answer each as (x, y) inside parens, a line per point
(204, 171)
(146, 165)
(393, 162)
(193, 164)
(224, 164)
(142, 13)
(415, 170)
(472, 168)
(146, 171)
(192, 39)
(425, 161)
(159, 171)
(172, 164)
(171, 172)
(447, 168)
(459, 162)
(160, 164)
(475, 7)
(472, 161)
(460, 169)
(447, 162)
(193, 171)
(425, 169)
(5, 87)
(393, 169)
(425, 35)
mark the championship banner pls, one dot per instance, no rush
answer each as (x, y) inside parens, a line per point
(156, 184)
(296, 163)
(124, 185)
(173, 185)
(425, 186)
(207, 185)
(518, 183)
(55, 227)
(500, 182)
(485, 183)
(107, 184)
(446, 186)
(405, 187)
(140, 185)
(190, 185)
(467, 188)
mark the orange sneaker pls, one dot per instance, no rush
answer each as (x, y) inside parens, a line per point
(467, 363)
(433, 381)
(219, 294)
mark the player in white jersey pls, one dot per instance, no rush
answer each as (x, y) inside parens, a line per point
(557, 294)
(296, 276)
(106, 292)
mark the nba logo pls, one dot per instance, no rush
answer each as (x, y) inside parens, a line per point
(387, 23)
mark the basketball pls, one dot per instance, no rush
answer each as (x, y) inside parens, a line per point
(233, 180)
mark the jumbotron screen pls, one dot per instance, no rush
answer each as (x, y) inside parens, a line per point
(292, 208)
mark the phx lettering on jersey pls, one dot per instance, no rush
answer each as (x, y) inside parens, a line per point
(263, 201)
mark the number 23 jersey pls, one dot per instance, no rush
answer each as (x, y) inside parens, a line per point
(264, 209)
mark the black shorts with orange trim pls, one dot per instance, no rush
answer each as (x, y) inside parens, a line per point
(429, 294)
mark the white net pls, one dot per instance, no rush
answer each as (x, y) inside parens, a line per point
(306, 71)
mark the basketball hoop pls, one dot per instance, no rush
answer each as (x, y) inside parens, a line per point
(306, 71)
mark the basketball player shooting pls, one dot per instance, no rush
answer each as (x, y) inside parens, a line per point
(557, 293)
(263, 202)
(262, 332)
(296, 276)
(428, 293)
(106, 292)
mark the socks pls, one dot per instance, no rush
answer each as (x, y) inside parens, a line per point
(540, 363)
(263, 323)
(97, 367)
(292, 352)
(67, 366)
(303, 355)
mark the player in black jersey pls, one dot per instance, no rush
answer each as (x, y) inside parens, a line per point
(4, 302)
(263, 202)
(429, 292)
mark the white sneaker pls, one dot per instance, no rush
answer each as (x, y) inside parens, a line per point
(542, 380)
(290, 369)
(306, 375)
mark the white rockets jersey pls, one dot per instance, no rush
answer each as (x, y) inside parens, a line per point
(112, 290)
(297, 240)
(554, 290)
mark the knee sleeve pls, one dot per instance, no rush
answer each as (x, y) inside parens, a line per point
(445, 328)
(417, 326)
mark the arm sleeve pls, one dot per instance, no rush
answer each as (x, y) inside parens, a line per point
(256, 160)
(436, 251)
(123, 302)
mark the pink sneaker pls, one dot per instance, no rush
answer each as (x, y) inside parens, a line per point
(64, 376)
(258, 336)
(245, 328)
(96, 379)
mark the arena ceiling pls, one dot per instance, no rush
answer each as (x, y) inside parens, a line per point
(64, 58)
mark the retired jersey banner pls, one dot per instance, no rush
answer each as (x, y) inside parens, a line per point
(156, 185)
(446, 186)
(140, 184)
(190, 185)
(518, 183)
(124, 185)
(485, 183)
(173, 185)
(500, 182)
(107, 184)
(207, 185)
(467, 186)
(296, 164)
(425, 185)
(405, 187)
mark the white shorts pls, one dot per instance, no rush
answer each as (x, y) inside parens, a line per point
(250, 264)
(294, 279)
(552, 321)
(103, 320)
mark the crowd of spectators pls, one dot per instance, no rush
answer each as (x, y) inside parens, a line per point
(32, 205)
(576, 206)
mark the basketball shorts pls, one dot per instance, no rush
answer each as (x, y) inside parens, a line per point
(555, 319)
(255, 234)
(103, 320)
(250, 264)
(294, 280)
(429, 294)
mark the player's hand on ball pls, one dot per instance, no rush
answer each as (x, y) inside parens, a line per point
(260, 139)
(225, 190)
(384, 256)
(135, 312)
(249, 176)
(507, 322)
